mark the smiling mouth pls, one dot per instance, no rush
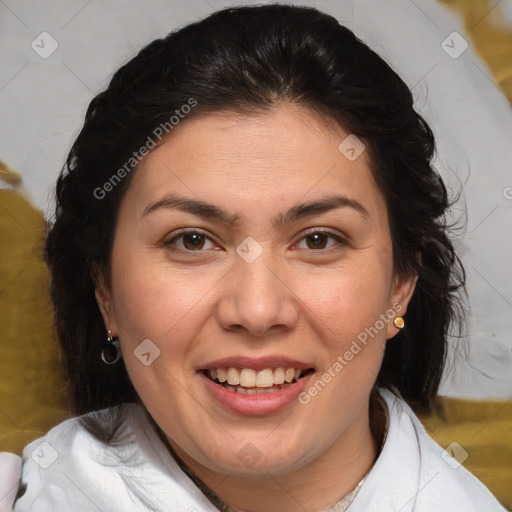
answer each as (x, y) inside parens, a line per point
(251, 382)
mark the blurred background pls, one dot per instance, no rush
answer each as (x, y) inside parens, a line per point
(456, 56)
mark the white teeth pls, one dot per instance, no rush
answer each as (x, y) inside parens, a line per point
(233, 376)
(279, 376)
(248, 378)
(265, 378)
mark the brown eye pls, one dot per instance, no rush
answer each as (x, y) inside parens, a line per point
(193, 241)
(190, 241)
(319, 239)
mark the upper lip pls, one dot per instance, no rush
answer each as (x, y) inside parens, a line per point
(259, 363)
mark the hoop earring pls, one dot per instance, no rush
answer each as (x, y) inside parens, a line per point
(399, 322)
(111, 352)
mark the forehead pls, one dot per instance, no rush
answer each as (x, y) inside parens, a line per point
(245, 160)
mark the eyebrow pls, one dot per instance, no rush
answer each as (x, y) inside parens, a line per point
(294, 214)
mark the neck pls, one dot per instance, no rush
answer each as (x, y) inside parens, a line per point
(316, 486)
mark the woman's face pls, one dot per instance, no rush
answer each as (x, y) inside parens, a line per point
(264, 282)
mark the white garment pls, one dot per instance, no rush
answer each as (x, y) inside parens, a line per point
(10, 466)
(68, 470)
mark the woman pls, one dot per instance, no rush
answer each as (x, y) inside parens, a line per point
(253, 283)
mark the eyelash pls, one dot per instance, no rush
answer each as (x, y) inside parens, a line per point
(341, 241)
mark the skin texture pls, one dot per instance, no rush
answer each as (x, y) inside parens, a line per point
(294, 300)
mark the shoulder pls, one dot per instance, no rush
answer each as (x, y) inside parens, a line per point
(74, 435)
(69, 453)
(442, 483)
(70, 468)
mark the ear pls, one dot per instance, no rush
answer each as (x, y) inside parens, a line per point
(104, 300)
(403, 288)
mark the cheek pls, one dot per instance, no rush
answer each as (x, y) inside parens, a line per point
(348, 309)
(153, 300)
(350, 300)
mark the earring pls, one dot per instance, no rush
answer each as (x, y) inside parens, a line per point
(399, 322)
(111, 352)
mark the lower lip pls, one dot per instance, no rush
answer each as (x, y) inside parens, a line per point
(256, 405)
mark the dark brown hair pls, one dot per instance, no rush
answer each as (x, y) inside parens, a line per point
(248, 59)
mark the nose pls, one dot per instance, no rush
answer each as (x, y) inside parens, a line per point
(258, 297)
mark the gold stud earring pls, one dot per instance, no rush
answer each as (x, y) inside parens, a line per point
(399, 322)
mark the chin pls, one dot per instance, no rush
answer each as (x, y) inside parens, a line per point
(256, 457)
